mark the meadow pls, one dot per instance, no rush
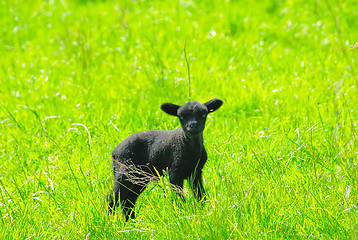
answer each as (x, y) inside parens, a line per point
(77, 77)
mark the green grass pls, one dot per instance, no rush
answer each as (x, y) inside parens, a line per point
(77, 77)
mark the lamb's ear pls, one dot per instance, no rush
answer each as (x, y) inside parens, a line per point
(170, 108)
(213, 104)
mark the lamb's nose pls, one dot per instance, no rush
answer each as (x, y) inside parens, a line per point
(193, 125)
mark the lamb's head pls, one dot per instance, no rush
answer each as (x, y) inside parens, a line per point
(192, 115)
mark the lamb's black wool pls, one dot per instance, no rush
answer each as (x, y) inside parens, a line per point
(145, 154)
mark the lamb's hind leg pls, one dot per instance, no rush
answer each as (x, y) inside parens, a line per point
(128, 200)
(112, 198)
(132, 185)
(130, 182)
(119, 172)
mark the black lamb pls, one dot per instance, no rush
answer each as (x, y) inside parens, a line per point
(142, 156)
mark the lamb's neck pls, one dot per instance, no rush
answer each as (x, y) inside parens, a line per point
(195, 142)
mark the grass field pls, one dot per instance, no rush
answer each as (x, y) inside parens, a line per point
(77, 77)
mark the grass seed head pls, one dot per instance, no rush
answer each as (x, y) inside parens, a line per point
(354, 47)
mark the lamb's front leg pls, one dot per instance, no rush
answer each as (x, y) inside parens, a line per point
(196, 178)
(196, 184)
(176, 180)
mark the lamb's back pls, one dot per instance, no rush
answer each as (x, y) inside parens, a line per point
(146, 147)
